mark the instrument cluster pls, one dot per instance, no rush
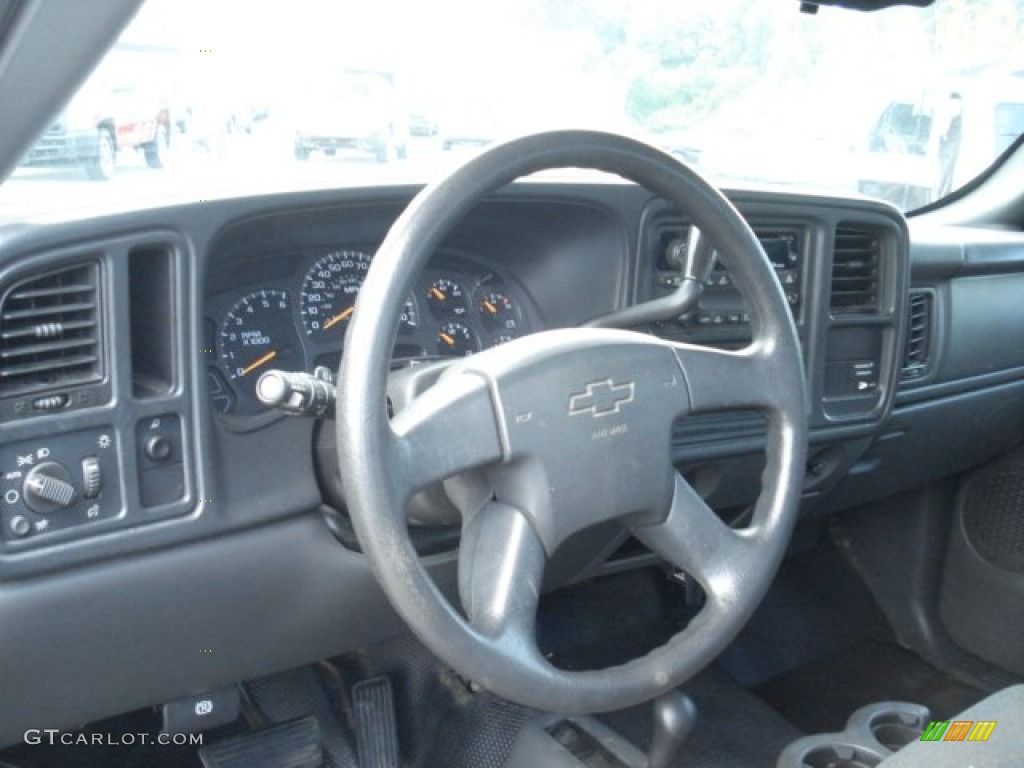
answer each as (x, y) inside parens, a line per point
(297, 322)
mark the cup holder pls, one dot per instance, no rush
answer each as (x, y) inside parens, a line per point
(841, 756)
(894, 730)
(872, 734)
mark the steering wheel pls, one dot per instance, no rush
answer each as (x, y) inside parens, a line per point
(563, 430)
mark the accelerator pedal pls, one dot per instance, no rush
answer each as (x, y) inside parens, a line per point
(373, 715)
(295, 744)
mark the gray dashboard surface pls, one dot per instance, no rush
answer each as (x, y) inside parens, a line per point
(103, 624)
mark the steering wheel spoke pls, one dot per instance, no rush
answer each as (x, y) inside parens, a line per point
(721, 380)
(501, 567)
(693, 538)
(449, 429)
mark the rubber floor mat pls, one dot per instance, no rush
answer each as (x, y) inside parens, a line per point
(734, 729)
(478, 734)
(817, 697)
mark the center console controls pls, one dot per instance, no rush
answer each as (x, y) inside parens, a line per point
(722, 315)
(843, 271)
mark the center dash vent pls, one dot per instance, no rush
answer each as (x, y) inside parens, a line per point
(916, 353)
(669, 235)
(855, 269)
(50, 332)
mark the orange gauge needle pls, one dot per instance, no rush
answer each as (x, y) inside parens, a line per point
(447, 339)
(338, 318)
(257, 363)
(490, 307)
(437, 294)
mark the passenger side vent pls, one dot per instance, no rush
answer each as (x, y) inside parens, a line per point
(855, 262)
(915, 356)
(50, 332)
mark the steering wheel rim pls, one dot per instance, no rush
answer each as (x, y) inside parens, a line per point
(511, 523)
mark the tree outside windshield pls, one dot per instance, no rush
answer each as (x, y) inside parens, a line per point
(202, 99)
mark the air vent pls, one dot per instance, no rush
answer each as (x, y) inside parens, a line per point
(915, 356)
(49, 332)
(669, 235)
(855, 269)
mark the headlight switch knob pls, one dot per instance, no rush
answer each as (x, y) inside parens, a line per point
(48, 487)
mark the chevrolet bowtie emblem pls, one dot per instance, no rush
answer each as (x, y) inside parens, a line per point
(601, 398)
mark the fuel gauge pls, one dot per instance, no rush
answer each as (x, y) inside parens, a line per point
(446, 298)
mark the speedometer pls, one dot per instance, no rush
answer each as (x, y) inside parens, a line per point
(329, 293)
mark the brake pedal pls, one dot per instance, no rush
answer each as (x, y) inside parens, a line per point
(294, 744)
(373, 715)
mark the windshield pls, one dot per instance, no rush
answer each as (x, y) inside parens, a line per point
(200, 99)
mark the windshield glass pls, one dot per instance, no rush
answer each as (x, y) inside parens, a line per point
(200, 99)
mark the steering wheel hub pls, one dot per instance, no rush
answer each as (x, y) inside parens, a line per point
(584, 418)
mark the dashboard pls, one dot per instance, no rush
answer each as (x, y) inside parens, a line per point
(161, 337)
(131, 344)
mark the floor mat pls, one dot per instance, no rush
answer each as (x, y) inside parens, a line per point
(477, 734)
(734, 729)
(816, 607)
(819, 696)
(610, 620)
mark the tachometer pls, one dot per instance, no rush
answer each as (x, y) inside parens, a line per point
(258, 333)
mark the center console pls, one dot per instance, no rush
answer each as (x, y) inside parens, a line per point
(842, 266)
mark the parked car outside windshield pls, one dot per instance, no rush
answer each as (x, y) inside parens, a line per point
(747, 91)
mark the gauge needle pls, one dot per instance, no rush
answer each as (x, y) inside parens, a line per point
(257, 363)
(490, 307)
(338, 318)
(447, 339)
(437, 294)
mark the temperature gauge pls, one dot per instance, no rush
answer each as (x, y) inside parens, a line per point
(456, 339)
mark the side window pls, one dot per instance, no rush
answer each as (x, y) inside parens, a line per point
(1009, 125)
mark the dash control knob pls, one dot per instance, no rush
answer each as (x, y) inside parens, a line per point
(48, 487)
(91, 477)
(158, 448)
